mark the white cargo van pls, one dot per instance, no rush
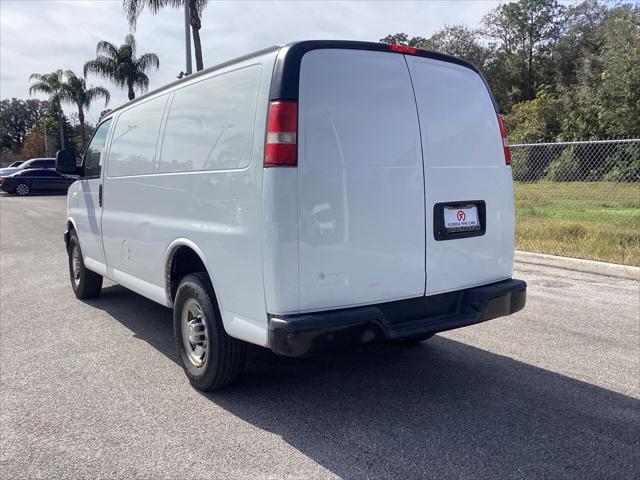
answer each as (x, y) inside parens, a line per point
(321, 194)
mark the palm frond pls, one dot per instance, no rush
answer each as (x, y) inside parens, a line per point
(142, 82)
(156, 5)
(94, 93)
(72, 77)
(132, 10)
(147, 61)
(106, 48)
(101, 66)
(48, 83)
(36, 76)
(39, 88)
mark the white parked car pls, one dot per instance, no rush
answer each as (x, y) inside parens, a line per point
(29, 164)
(321, 194)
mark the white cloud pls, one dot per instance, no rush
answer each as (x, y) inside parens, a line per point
(41, 36)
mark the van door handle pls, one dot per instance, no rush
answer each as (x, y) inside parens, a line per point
(100, 195)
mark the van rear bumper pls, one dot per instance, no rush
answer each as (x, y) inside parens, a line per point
(300, 334)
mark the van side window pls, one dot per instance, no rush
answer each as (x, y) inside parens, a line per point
(134, 139)
(210, 124)
(93, 157)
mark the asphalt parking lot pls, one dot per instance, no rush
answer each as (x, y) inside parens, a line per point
(93, 389)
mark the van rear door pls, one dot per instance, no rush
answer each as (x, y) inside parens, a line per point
(360, 180)
(468, 186)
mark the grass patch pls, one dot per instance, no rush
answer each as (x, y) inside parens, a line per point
(592, 220)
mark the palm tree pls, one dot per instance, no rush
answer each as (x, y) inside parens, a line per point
(75, 90)
(133, 9)
(121, 65)
(51, 84)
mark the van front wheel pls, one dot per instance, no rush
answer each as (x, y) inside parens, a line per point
(211, 359)
(85, 283)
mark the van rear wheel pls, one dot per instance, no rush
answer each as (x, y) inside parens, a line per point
(85, 283)
(210, 358)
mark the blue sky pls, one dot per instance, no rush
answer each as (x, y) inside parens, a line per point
(43, 35)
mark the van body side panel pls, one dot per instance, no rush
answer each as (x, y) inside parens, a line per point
(205, 187)
(464, 161)
(360, 180)
(280, 239)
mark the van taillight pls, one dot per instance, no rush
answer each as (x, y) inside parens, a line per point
(281, 146)
(505, 142)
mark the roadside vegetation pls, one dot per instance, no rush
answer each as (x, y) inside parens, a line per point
(558, 72)
(592, 220)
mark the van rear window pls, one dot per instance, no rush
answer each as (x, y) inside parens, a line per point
(457, 115)
(210, 123)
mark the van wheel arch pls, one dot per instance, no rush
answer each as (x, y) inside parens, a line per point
(182, 261)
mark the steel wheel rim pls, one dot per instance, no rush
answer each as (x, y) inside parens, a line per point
(22, 189)
(75, 266)
(195, 334)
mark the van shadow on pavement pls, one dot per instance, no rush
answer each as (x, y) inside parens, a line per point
(437, 409)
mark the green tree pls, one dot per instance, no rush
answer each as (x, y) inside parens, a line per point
(17, 118)
(534, 120)
(601, 91)
(122, 66)
(581, 38)
(403, 39)
(51, 84)
(618, 95)
(460, 41)
(75, 91)
(35, 144)
(525, 32)
(134, 8)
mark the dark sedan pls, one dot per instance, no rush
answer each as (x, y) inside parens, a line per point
(37, 180)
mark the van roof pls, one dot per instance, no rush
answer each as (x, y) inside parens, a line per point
(286, 76)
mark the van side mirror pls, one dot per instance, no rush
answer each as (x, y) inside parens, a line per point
(66, 162)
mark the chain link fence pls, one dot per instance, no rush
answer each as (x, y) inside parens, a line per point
(616, 161)
(579, 199)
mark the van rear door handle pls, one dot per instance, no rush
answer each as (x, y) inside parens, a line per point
(100, 195)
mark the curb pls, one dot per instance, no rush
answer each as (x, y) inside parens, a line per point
(579, 265)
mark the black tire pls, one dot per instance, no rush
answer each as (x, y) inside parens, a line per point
(22, 189)
(85, 283)
(225, 356)
(417, 338)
